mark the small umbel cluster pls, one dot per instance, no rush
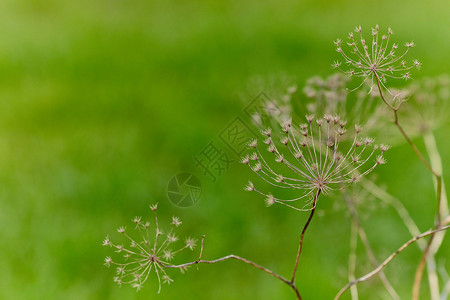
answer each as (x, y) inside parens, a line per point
(330, 96)
(377, 60)
(142, 256)
(313, 157)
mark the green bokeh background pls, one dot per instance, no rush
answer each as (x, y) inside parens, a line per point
(102, 102)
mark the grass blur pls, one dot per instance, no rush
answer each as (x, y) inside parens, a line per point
(102, 102)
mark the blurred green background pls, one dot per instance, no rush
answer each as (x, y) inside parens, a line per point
(102, 102)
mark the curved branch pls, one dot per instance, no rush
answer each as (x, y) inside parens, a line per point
(366, 244)
(437, 175)
(232, 256)
(300, 246)
(391, 257)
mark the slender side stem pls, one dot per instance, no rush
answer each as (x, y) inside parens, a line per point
(426, 253)
(414, 230)
(413, 146)
(403, 132)
(232, 256)
(397, 205)
(352, 260)
(389, 259)
(436, 163)
(366, 243)
(412, 227)
(445, 291)
(446, 288)
(433, 279)
(300, 246)
(420, 267)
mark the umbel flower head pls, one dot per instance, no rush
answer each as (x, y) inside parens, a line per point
(311, 159)
(272, 109)
(377, 60)
(330, 96)
(327, 93)
(151, 252)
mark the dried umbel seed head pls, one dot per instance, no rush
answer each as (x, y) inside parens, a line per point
(384, 148)
(318, 161)
(330, 97)
(377, 60)
(143, 256)
(253, 143)
(268, 141)
(245, 159)
(272, 105)
(267, 132)
(257, 167)
(249, 187)
(270, 200)
(380, 160)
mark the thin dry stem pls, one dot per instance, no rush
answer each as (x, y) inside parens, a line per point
(436, 163)
(426, 253)
(397, 205)
(419, 271)
(305, 227)
(368, 248)
(232, 256)
(413, 229)
(389, 259)
(403, 132)
(352, 260)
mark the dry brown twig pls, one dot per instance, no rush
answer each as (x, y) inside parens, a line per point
(379, 64)
(388, 260)
(316, 167)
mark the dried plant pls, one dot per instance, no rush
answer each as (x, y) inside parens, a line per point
(144, 255)
(378, 60)
(273, 109)
(321, 155)
(331, 96)
(318, 162)
(150, 252)
(376, 66)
